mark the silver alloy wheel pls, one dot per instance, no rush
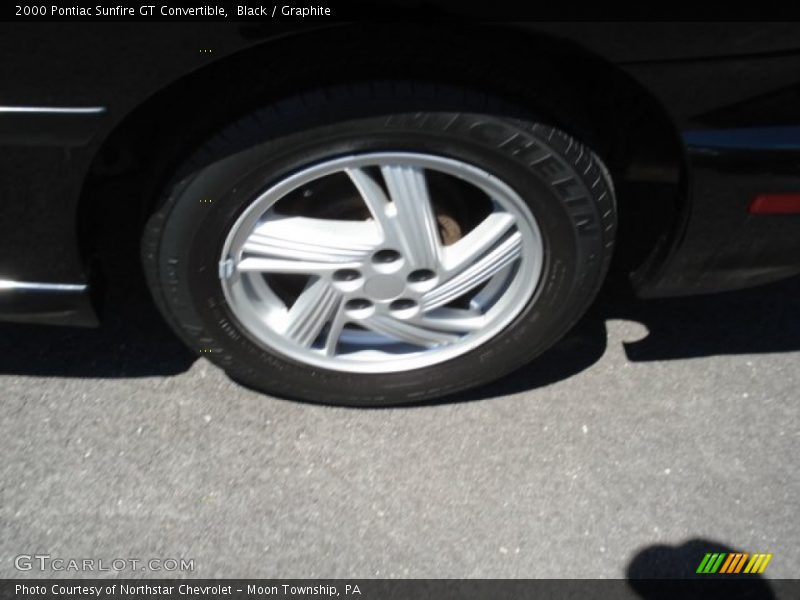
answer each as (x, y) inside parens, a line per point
(382, 293)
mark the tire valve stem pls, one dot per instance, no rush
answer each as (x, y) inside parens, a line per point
(225, 268)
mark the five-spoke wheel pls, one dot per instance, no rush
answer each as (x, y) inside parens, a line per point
(388, 291)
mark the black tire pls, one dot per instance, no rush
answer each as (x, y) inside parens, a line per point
(570, 194)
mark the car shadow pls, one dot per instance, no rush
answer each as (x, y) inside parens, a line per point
(134, 341)
(757, 320)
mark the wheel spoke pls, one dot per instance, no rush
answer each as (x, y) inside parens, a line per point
(454, 320)
(411, 333)
(315, 306)
(491, 291)
(475, 273)
(335, 331)
(305, 245)
(272, 265)
(412, 223)
(472, 246)
(374, 197)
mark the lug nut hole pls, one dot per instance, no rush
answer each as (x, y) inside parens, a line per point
(402, 304)
(358, 304)
(420, 275)
(346, 275)
(383, 257)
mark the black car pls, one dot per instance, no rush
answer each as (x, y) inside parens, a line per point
(379, 213)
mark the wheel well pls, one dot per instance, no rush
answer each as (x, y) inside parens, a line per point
(555, 79)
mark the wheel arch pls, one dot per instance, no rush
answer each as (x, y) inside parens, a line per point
(575, 89)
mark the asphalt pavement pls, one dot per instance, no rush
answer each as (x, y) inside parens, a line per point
(654, 433)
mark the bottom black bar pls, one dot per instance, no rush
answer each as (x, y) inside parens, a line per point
(733, 587)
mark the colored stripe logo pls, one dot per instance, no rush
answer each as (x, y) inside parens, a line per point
(734, 562)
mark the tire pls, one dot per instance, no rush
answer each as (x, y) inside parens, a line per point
(486, 166)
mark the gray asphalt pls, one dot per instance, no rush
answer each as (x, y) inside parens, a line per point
(653, 433)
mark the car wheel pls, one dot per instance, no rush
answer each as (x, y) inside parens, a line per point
(384, 258)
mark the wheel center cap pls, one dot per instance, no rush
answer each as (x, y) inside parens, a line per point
(384, 287)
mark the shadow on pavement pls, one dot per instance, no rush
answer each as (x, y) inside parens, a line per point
(133, 341)
(661, 572)
(752, 321)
